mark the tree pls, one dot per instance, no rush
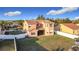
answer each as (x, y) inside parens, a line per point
(2, 24)
(20, 22)
(5, 25)
(50, 19)
(76, 21)
(41, 17)
(67, 20)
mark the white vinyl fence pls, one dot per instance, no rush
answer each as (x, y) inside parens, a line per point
(19, 36)
(66, 35)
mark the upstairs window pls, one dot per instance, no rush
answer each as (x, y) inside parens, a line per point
(51, 25)
(29, 26)
(47, 25)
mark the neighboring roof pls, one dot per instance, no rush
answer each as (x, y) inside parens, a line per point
(72, 26)
(45, 21)
(31, 22)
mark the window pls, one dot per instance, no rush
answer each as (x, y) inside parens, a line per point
(25, 24)
(47, 25)
(33, 33)
(50, 25)
(50, 32)
(29, 25)
(47, 32)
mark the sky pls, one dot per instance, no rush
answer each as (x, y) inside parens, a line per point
(29, 13)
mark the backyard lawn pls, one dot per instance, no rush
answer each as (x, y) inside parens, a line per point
(45, 43)
(7, 45)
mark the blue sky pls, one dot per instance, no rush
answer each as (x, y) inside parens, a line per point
(17, 13)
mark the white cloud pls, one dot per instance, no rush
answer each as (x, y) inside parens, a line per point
(76, 17)
(15, 13)
(62, 11)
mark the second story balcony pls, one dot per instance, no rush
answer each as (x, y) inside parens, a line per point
(39, 26)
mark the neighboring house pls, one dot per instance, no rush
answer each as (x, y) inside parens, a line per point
(70, 28)
(38, 27)
(15, 25)
(77, 24)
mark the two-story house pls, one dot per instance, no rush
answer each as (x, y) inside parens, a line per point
(38, 27)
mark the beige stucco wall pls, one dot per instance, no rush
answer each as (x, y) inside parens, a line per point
(49, 29)
(29, 29)
(25, 26)
(76, 31)
(65, 29)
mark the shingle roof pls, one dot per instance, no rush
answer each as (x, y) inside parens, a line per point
(72, 26)
(31, 22)
(34, 22)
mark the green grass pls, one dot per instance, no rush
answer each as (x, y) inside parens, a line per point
(45, 43)
(7, 45)
(56, 41)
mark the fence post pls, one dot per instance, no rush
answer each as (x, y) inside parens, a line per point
(15, 44)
